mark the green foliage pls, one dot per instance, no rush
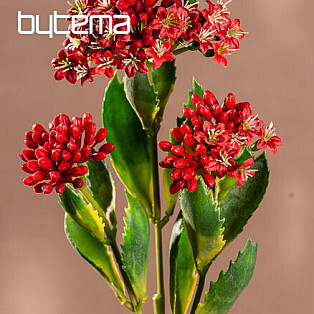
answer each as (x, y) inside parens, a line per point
(101, 185)
(95, 253)
(204, 224)
(241, 202)
(135, 246)
(223, 293)
(142, 97)
(83, 214)
(132, 157)
(171, 199)
(182, 269)
(164, 79)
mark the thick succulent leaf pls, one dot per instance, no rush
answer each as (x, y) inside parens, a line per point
(224, 292)
(182, 269)
(226, 183)
(164, 79)
(204, 225)
(241, 202)
(82, 213)
(95, 253)
(197, 88)
(142, 97)
(131, 157)
(135, 246)
(101, 185)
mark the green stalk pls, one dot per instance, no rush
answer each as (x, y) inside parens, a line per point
(199, 291)
(115, 249)
(159, 298)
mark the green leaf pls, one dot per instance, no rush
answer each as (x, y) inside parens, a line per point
(223, 293)
(241, 202)
(132, 157)
(135, 246)
(101, 186)
(164, 79)
(83, 214)
(182, 269)
(95, 253)
(197, 88)
(142, 97)
(203, 223)
(226, 183)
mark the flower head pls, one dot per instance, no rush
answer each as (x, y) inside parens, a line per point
(208, 143)
(56, 157)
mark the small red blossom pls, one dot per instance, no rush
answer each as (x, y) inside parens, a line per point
(222, 49)
(56, 157)
(104, 63)
(160, 53)
(243, 172)
(268, 138)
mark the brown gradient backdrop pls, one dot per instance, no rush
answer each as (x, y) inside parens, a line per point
(41, 273)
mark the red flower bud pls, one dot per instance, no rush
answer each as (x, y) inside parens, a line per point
(107, 148)
(28, 154)
(39, 175)
(229, 101)
(209, 98)
(208, 179)
(187, 173)
(54, 176)
(64, 166)
(38, 128)
(176, 173)
(165, 146)
(47, 189)
(176, 133)
(185, 129)
(29, 181)
(101, 135)
(99, 156)
(40, 153)
(192, 185)
(45, 163)
(66, 155)
(178, 150)
(189, 113)
(78, 183)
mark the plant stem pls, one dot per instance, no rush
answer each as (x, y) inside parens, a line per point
(199, 291)
(180, 50)
(159, 298)
(114, 248)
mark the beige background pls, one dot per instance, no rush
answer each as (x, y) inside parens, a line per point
(41, 274)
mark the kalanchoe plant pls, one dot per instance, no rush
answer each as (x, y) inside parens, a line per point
(212, 164)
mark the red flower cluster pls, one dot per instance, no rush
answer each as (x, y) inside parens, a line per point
(211, 139)
(157, 28)
(56, 157)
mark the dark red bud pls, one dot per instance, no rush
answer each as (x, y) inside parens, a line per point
(29, 181)
(204, 160)
(76, 172)
(176, 133)
(30, 144)
(216, 109)
(230, 126)
(54, 176)
(208, 179)
(232, 112)
(45, 137)
(187, 173)
(89, 139)
(56, 155)
(240, 106)
(63, 118)
(165, 146)
(107, 148)
(45, 163)
(71, 146)
(99, 156)
(87, 118)
(101, 135)
(177, 185)
(60, 188)
(236, 120)
(41, 152)
(76, 156)
(64, 166)
(84, 170)
(39, 176)
(33, 165)
(61, 138)
(66, 155)
(36, 137)
(91, 128)
(25, 168)
(206, 113)
(209, 98)
(185, 129)
(143, 16)
(197, 99)
(201, 149)
(38, 188)
(222, 117)
(189, 113)
(139, 6)
(75, 131)
(190, 140)
(230, 101)
(169, 160)
(28, 154)
(86, 150)
(78, 183)
(38, 128)
(178, 150)
(192, 185)
(176, 173)
(47, 189)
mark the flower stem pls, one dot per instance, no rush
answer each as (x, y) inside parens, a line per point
(159, 298)
(180, 50)
(115, 250)
(199, 291)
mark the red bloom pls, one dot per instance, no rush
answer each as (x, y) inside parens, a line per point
(160, 52)
(104, 63)
(168, 22)
(55, 158)
(205, 36)
(233, 33)
(221, 50)
(268, 138)
(216, 13)
(243, 172)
